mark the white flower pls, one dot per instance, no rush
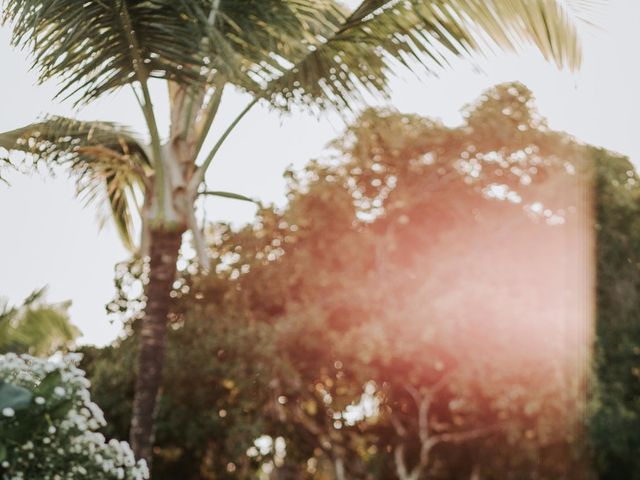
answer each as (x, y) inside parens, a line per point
(8, 412)
(71, 439)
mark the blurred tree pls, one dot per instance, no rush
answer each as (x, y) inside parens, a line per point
(405, 316)
(615, 401)
(35, 327)
(312, 54)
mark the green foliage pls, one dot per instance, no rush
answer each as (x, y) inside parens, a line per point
(103, 46)
(109, 163)
(298, 50)
(48, 425)
(615, 409)
(213, 375)
(35, 327)
(231, 195)
(397, 280)
(309, 53)
(362, 49)
(304, 53)
(14, 397)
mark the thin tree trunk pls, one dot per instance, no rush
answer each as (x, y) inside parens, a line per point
(165, 246)
(339, 468)
(475, 473)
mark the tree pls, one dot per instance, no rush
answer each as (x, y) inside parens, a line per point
(411, 268)
(398, 319)
(315, 54)
(36, 327)
(614, 419)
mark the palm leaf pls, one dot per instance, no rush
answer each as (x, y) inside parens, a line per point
(4, 165)
(96, 46)
(380, 36)
(230, 195)
(36, 327)
(107, 161)
(104, 45)
(249, 42)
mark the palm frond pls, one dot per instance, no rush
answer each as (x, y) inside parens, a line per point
(106, 160)
(252, 41)
(95, 46)
(230, 195)
(291, 51)
(549, 24)
(380, 37)
(4, 165)
(36, 327)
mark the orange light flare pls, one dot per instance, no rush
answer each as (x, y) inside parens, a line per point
(509, 291)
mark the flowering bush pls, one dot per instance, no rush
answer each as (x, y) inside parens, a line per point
(48, 425)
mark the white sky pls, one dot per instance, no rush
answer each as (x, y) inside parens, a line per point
(48, 238)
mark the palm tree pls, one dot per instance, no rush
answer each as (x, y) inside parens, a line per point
(316, 54)
(35, 327)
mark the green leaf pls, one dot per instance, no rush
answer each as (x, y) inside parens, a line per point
(234, 196)
(98, 46)
(36, 327)
(383, 37)
(107, 160)
(48, 384)
(61, 409)
(14, 396)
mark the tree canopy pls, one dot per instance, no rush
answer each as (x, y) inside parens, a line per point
(314, 54)
(615, 393)
(404, 316)
(35, 327)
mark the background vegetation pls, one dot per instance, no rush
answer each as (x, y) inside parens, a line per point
(310, 54)
(391, 337)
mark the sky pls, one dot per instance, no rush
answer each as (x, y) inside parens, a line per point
(48, 237)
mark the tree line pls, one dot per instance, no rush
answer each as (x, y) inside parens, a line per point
(417, 310)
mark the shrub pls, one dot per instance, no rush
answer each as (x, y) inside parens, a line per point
(48, 425)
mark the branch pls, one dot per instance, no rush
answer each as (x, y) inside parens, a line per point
(397, 426)
(198, 176)
(401, 467)
(475, 473)
(204, 123)
(457, 437)
(100, 150)
(361, 11)
(145, 238)
(146, 106)
(441, 383)
(423, 430)
(339, 469)
(398, 454)
(198, 97)
(199, 242)
(423, 403)
(231, 195)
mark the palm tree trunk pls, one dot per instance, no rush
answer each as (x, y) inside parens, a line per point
(165, 245)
